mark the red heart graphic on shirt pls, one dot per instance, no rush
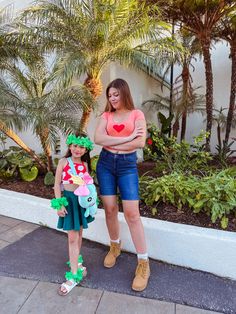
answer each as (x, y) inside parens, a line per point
(118, 127)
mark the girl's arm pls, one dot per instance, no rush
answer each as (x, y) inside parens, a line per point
(138, 142)
(58, 176)
(102, 138)
(57, 186)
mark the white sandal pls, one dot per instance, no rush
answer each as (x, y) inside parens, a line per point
(67, 287)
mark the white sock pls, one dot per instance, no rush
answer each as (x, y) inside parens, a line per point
(142, 256)
(116, 241)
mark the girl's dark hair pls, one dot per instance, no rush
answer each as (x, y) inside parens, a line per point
(86, 156)
(125, 94)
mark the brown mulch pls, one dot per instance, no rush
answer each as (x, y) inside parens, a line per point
(164, 211)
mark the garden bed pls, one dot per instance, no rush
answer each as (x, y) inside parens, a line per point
(164, 211)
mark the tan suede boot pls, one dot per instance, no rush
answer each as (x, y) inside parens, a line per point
(142, 275)
(113, 253)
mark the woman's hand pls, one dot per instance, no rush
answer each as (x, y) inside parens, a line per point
(138, 131)
(62, 212)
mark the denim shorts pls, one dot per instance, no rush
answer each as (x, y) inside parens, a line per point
(118, 171)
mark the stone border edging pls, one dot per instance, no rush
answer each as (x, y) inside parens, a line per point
(198, 248)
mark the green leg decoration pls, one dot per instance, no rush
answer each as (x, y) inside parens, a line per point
(80, 260)
(76, 277)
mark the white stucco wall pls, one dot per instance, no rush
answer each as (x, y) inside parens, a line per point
(144, 87)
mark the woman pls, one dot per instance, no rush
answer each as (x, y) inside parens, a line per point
(121, 131)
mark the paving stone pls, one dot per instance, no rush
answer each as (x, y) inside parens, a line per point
(181, 309)
(11, 222)
(13, 293)
(45, 300)
(42, 255)
(116, 303)
(4, 228)
(18, 232)
(3, 244)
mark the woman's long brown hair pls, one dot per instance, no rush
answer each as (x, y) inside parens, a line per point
(125, 95)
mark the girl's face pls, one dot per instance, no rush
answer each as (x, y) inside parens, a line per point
(114, 98)
(77, 151)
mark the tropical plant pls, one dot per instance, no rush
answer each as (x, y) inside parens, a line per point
(13, 118)
(91, 34)
(227, 31)
(201, 19)
(49, 178)
(185, 101)
(184, 98)
(173, 156)
(9, 51)
(213, 194)
(15, 161)
(50, 111)
(223, 151)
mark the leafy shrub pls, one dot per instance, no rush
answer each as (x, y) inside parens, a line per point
(215, 194)
(49, 178)
(179, 157)
(29, 174)
(14, 161)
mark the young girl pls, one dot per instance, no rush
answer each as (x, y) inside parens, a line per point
(121, 130)
(71, 214)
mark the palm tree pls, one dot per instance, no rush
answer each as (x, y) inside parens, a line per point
(185, 97)
(51, 111)
(201, 18)
(90, 34)
(12, 116)
(9, 51)
(184, 104)
(220, 120)
(227, 31)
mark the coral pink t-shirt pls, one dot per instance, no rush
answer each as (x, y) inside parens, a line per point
(124, 128)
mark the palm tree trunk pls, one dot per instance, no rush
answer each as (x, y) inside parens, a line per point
(94, 85)
(209, 88)
(185, 78)
(12, 135)
(183, 125)
(176, 127)
(219, 136)
(85, 120)
(232, 95)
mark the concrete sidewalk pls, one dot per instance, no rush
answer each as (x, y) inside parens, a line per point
(19, 295)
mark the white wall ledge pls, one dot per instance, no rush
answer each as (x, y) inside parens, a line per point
(198, 248)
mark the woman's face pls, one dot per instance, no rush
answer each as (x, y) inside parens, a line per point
(114, 98)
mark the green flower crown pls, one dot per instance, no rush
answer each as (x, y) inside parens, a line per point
(80, 141)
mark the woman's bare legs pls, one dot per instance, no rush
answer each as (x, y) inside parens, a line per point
(132, 216)
(111, 211)
(142, 272)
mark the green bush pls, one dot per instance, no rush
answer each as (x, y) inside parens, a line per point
(174, 156)
(28, 174)
(14, 161)
(49, 179)
(215, 194)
